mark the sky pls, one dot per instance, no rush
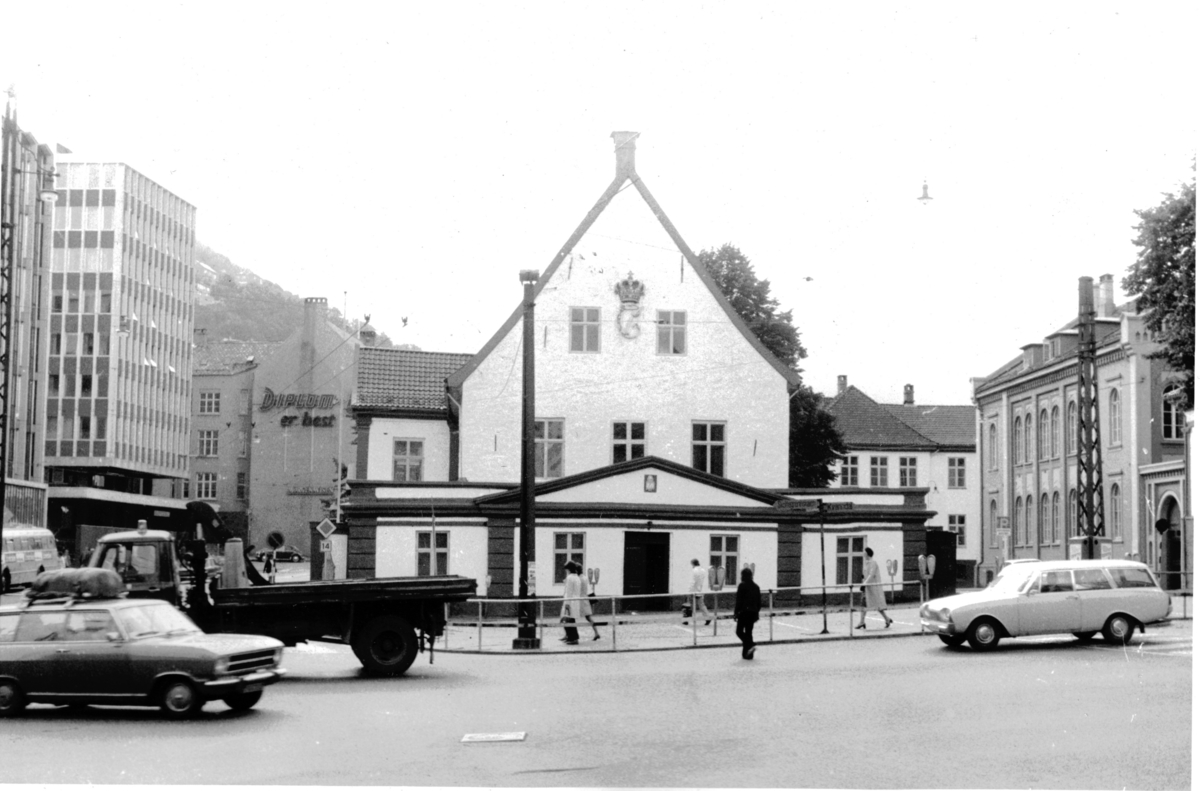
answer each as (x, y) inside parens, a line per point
(407, 160)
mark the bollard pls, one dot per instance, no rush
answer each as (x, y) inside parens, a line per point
(479, 627)
(770, 616)
(695, 620)
(541, 622)
(613, 608)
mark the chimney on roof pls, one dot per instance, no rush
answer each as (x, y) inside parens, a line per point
(199, 336)
(625, 143)
(908, 395)
(1105, 306)
(315, 310)
(366, 334)
(841, 383)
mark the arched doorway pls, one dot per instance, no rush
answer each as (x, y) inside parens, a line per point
(1170, 554)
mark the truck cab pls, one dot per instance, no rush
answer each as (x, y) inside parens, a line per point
(145, 560)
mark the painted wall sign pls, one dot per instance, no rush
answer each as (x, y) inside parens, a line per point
(272, 400)
(310, 491)
(307, 419)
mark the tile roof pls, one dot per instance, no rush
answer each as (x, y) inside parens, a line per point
(863, 422)
(404, 379)
(224, 357)
(952, 424)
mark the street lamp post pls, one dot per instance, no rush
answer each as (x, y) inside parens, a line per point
(824, 613)
(527, 626)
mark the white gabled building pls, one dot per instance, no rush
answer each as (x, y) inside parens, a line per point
(661, 425)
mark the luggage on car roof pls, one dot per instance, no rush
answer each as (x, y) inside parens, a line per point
(87, 583)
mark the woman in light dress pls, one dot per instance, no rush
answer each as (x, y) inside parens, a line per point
(872, 591)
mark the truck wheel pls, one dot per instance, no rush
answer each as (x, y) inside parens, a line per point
(178, 699)
(12, 700)
(243, 701)
(386, 646)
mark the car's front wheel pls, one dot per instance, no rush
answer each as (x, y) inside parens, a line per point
(12, 700)
(954, 641)
(984, 634)
(179, 699)
(243, 701)
(1118, 629)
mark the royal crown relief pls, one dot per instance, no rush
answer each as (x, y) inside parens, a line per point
(630, 292)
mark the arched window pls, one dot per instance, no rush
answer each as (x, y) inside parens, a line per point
(993, 522)
(1044, 523)
(1055, 436)
(1030, 521)
(1016, 441)
(1044, 435)
(1073, 514)
(1172, 417)
(1018, 527)
(1056, 519)
(1114, 417)
(1028, 438)
(1114, 512)
(992, 446)
(1072, 423)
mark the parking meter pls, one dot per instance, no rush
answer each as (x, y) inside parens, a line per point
(749, 566)
(716, 577)
(487, 584)
(892, 567)
(593, 578)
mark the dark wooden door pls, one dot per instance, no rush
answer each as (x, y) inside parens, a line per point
(647, 570)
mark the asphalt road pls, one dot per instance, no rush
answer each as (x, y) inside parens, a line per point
(1045, 713)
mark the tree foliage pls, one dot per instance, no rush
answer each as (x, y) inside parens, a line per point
(1164, 278)
(814, 441)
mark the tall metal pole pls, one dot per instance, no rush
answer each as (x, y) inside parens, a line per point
(8, 219)
(824, 613)
(527, 626)
(1089, 469)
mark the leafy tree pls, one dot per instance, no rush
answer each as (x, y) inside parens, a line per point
(1164, 278)
(814, 440)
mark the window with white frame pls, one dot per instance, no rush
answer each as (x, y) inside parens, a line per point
(1172, 416)
(242, 487)
(585, 329)
(1114, 417)
(567, 546)
(548, 448)
(433, 553)
(206, 486)
(723, 553)
(957, 472)
(879, 471)
(210, 402)
(629, 441)
(908, 471)
(408, 459)
(672, 332)
(958, 526)
(849, 471)
(849, 560)
(208, 442)
(708, 447)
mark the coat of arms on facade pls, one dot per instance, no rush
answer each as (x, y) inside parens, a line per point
(630, 292)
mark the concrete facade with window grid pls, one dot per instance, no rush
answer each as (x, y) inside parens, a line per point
(914, 445)
(661, 430)
(1027, 410)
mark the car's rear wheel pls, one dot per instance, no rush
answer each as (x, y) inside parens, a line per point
(386, 646)
(984, 634)
(12, 699)
(243, 701)
(1118, 629)
(179, 699)
(1084, 635)
(954, 641)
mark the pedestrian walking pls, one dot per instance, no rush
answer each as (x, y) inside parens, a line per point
(573, 593)
(584, 602)
(872, 591)
(699, 576)
(745, 610)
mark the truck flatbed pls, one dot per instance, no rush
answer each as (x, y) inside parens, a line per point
(343, 591)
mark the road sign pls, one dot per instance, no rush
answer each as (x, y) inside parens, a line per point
(327, 545)
(326, 528)
(275, 539)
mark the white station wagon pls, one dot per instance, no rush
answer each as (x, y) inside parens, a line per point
(1079, 597)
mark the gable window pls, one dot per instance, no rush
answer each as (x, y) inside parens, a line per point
(408, 459)
(723, 553)
(567, 546)
(1172, 417)
(1114, 417)
(958, 473)
(672, 332)
(548, 446)
(850, 471)
(208, 442)
(958, 526)
(879, 472)
(210, 402)
(206, 486)
(908, 471)
(585, 329)
(629, 441)
(433, 553)
(708, 447)
(850, 559)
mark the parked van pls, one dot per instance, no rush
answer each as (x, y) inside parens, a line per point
(1079, 597)
(27, 552)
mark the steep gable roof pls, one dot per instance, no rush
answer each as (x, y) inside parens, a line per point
(625, 145)
(946, 425)
(404, 379)
(865, 423)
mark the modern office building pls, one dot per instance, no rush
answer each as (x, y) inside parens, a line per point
(120, 351)
(27, 173)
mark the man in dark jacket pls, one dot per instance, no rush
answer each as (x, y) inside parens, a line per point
(745, 610)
